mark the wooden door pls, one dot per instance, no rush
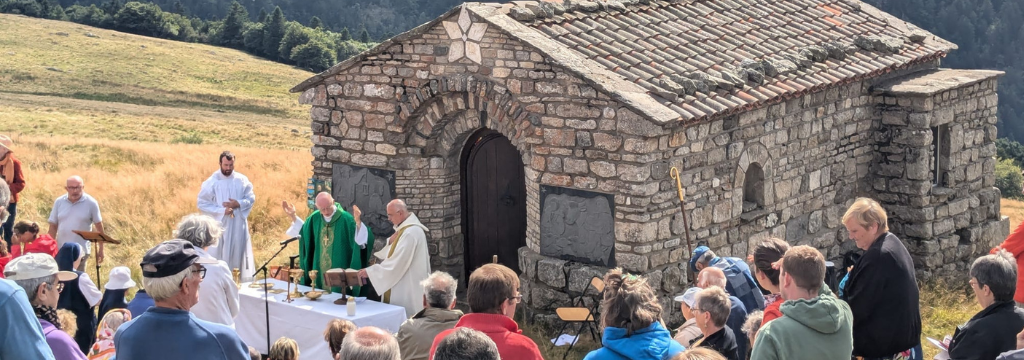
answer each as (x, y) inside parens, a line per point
(493, 200)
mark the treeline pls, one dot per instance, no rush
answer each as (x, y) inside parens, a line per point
(271, 35)
(382, 18)
(990, 34)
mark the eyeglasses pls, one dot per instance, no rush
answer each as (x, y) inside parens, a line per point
(517, 298)
(58, 286)
(74, 187)
(201, 271)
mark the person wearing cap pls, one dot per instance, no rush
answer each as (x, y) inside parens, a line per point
(740, 284)
(41, 279)
(218, 297)
(118, 283)
(172, 272)
(76, 210)
(689, 331)
(21, 335)
(10, 172)
(80, 296)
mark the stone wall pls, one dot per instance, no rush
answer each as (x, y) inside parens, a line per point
(935, 166)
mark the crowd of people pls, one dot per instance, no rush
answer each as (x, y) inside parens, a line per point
(775, 304)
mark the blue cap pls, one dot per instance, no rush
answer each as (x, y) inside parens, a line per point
(697, 253)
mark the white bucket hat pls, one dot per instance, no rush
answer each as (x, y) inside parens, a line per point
(33, 265)
(120, 278)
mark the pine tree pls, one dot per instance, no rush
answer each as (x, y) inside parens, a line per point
(262, 17)
(234, 26)
(344, 34)
(316, 23)
(179, 8)
(273, 32)
(113, 7)
(364, 36)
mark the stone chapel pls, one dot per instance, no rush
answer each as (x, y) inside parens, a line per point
(545, 133)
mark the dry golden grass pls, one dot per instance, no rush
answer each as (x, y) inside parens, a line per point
(145, 188)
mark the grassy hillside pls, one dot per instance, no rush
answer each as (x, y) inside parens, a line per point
(60, 58)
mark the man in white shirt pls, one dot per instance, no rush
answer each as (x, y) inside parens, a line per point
(76, 210)
(218, 296)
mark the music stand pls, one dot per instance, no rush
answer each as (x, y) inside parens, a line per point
(96, 237)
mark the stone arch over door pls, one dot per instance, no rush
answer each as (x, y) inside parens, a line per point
(437, 120)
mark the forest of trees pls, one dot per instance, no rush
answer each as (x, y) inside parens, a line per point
(990, 33)
(271, 35)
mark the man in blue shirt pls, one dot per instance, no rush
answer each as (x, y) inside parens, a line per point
(171, 273)
(21, 335)
(741, 283)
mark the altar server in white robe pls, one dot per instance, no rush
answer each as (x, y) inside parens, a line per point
(406, 261)
(227, 196)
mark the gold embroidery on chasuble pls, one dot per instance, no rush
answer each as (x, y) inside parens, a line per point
(326, 240)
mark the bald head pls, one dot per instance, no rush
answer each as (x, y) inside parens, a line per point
(397, 211)
(75, 187)
(325, 203)
(370, 343)
(711, 276)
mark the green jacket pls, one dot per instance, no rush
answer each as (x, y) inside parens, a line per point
(816, 329)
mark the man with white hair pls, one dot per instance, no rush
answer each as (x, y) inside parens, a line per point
(370, 343)
(227, 196)
(714, 276)
(171, 273)
(418, 333)
(76, 210)
(21, 335)
(218, 297)
(39, 276)
(330, 238)
(406, 261)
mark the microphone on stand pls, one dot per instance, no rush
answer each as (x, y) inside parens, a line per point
(289, 241)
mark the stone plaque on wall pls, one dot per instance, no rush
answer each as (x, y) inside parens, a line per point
(577, 225)
(370, 189)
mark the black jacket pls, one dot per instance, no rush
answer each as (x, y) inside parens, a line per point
(882, 292)
(989, 333)
(723, 342)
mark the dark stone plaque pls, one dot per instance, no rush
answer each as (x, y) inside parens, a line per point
(577, 225)
(370, 189)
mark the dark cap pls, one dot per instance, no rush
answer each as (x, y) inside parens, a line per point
(169, 258)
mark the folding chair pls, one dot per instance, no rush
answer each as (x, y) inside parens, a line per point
(578, 313)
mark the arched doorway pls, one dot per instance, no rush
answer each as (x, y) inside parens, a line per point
(493, 200)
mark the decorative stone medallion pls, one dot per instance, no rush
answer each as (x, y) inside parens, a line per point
(466, 36)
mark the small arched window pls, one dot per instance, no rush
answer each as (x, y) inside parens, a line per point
(753, 188)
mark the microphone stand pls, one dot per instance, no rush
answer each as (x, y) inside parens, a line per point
(266, 297)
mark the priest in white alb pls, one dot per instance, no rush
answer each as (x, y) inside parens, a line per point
(405, 261)
(227, 196)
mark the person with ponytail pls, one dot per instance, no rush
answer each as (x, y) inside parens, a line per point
(632, 321)
(766, 254)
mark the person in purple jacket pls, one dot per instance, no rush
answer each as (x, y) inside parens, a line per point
(39, 276)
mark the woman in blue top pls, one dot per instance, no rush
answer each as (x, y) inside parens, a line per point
(80, 296)
(632, 322)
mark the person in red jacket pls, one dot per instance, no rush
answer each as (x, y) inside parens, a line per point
(766, 254)
(27, 240)
(5, 257)
(492, 294)
(10, 172)
(1014, 244)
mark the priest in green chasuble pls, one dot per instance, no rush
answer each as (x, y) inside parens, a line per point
(330, 238)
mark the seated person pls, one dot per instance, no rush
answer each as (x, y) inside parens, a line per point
(992, 330)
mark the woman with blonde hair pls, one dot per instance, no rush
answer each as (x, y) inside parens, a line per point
(284, 349)
(632, 322)
(103, 349)
(882, 288)
(699, 353)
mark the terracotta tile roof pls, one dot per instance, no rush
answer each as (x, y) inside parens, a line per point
(711, 57)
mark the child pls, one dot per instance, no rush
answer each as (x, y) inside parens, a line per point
(284, 349)
(103, 349)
